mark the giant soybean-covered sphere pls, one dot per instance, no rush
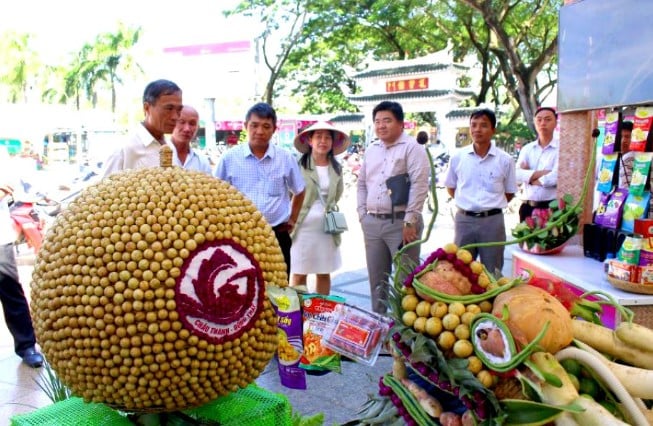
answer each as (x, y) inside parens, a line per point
(149, 291)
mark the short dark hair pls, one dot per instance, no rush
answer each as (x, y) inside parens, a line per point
(627, 125)
(394, 108)
(156, 89)
(540, 109)
(422, 137)
(487, 113)
(262, 110)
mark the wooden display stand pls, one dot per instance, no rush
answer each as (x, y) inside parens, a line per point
(583, 274)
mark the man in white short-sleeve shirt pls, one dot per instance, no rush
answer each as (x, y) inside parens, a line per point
(481, 179)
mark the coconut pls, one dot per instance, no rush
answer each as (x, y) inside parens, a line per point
(529, 309)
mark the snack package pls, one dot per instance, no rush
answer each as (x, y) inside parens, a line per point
(635, 207)
(641, 168)
(646, 275)
(358, 334)
(630, 250)
(610, 209)
(641, 127)
(319, 313)
(289, 333)
(606, 173)
(646, 253)
(611, 132)
(623, 271)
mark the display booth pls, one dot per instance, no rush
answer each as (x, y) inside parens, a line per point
(602, 84)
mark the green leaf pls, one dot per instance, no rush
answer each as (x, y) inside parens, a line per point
(315, 420)
(531, 413)
(568, 199)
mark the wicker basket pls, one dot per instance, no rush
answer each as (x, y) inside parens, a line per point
(630, 286)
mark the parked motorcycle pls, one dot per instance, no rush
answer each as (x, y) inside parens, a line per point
(30, 220)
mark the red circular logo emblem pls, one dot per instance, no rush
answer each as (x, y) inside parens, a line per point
(220, 291)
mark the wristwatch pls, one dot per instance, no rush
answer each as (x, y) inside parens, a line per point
(408, 224)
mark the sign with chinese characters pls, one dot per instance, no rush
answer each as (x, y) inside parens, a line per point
(408, 84)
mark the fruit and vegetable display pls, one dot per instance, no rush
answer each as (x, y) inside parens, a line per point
(549, 228)
(149, 294)
(470, 349)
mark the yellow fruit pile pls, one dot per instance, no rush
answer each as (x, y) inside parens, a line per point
(149, 292)
(448, 325)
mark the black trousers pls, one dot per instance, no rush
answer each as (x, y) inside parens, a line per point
(283, 237)
(14, 304)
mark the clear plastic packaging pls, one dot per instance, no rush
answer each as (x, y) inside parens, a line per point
(357, 333)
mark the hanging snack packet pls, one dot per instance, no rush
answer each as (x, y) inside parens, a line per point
(641, 168)
(606, 173)
(641, 127)
(319, 312)
(610, 208)
(611, 132)
(635, 207)
(289, 333)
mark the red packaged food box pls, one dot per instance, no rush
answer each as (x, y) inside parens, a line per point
(357, 333)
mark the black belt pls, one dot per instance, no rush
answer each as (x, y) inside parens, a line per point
(480, 214)
(538, 204)
(282, 227)
(397, 215)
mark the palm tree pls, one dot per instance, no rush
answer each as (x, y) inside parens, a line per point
(18, 65)
(111, 56)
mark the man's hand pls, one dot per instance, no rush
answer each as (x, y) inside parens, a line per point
(409, 234)
(536, 176)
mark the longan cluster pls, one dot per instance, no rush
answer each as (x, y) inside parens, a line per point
(449, 325)
(104, 293)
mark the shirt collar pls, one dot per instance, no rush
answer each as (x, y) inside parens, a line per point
(247, 151)
(145, 136)
(400, 140)
(553, 144)
(492, 151)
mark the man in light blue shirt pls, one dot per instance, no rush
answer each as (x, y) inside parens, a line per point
(267, 174)
(183, 134)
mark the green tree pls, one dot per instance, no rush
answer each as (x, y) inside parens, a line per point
(19, 65)
(283, 23)
(524, 41)
(514, 43)
(110, 58)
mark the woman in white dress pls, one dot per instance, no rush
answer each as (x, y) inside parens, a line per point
(313, 251)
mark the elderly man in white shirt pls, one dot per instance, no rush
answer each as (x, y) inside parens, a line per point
(162, 105)
(183, 134)
(537, 165)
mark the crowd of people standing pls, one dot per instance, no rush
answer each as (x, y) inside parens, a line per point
(294, 195)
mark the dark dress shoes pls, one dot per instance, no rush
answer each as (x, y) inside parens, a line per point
(32, 358)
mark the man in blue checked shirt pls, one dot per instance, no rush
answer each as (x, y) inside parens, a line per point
(267, 174)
